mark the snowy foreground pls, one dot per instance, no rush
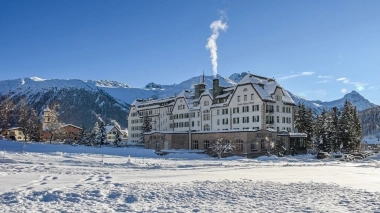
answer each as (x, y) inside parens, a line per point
(60, 178)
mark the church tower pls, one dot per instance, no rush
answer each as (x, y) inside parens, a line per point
(46, 118)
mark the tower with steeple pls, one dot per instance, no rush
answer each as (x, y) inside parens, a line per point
(46, 117)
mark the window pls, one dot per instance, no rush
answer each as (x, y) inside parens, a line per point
(194, 144)
(206, 144)
(255, 108)
(206, 103)
(245, 108)
(235, 120)
(246, 119)
(206, 117)
(269, 119)
(192, 124)
(158, 145)
(198, 114)
(199, 123)
(239, 145)
(245, 97)
(253, 145)
(255, 118)
(224, 111)
(225, 121)
(278, 119)
(217, 122)
(235, 110)
(277, 109)
(283, 119)
(206, 127)
(262, 147)
(252, 97)
(217, 112)
(269, 109)
(238, 99)
(245, 90)
(283, 109)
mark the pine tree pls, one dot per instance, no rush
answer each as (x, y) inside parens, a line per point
(320, 131)
(280, 147)
(304, 123)
(83, 139)
(356, 129)
(101, 137)
(117, 140)
(345, 127)
(146, 127)
(334, 129)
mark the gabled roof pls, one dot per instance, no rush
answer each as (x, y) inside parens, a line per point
(265, 87)
(65, 125)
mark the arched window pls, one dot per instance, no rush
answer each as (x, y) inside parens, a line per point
(194, 144)
(206, 127)
(239, 145)
(206, 111)
(245, 90)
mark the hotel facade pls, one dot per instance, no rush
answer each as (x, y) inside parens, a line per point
(254, 105)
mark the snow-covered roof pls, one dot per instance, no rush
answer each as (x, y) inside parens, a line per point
(110, 127)
(71, 125)
(265, 87)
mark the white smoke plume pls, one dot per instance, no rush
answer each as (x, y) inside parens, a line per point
(211, 44)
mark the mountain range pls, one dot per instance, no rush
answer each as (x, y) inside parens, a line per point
(91, 100)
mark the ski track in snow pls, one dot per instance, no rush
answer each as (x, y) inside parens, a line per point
(77, 182)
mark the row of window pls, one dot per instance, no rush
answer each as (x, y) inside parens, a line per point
(245, 98)
(135, 135)
(239, 144)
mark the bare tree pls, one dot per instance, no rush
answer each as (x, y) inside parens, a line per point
(6, 112)
(220, 147)
(22, 114)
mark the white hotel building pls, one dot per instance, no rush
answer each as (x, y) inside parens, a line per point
(255, 103)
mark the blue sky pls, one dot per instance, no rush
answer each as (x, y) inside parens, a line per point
(316, 49)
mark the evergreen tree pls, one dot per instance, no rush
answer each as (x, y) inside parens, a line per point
(304, 123)
(101, 137)
(356, 129)
(320, 131)
(83, 138)
(280, 147)
(93, 135)
(117, 140)
(146, 127)
(345, 131)
(333, 127)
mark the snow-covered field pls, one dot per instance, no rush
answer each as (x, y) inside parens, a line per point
(61, 178)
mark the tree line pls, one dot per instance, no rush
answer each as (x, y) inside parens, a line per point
(331, 131)
(23, 116)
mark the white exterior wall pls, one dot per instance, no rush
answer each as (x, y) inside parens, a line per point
(183, 116)
(205, 103)
(180, 115)
(241, 91)
(159, 115)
